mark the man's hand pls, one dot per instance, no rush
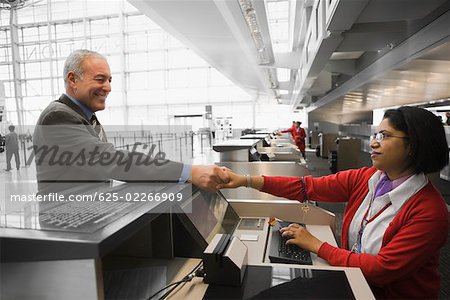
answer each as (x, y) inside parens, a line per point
(210, 178)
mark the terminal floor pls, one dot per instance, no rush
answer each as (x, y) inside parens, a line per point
(318, 167)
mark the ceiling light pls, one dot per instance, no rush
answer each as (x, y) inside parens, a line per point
(12, 4)
(251, 19)
(272, 77)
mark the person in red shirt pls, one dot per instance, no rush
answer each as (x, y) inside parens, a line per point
(395, 221)
(300, 136)
(290, 129)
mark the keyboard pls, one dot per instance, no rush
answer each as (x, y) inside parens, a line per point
(279, 252)
(83, 216)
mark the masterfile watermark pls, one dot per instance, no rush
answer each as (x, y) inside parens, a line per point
(74, 165)
(56, 156)
(71, 152)
(100, 196)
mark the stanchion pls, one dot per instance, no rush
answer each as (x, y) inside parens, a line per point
(24, 153)
(192, 144)
(181, 152)
(201, 143)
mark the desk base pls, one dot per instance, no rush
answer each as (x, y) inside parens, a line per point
(276, 282)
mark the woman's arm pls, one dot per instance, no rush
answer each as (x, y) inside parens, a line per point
(281, 186)
(237, 180)
(331, 188)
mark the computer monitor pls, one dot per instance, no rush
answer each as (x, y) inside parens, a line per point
(253, 154)
(205, 215)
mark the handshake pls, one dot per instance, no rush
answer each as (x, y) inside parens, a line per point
(214, 178)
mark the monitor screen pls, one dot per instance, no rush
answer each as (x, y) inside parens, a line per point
(253, 154)
(211, 214)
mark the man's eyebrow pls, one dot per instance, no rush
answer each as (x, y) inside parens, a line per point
(102, 76)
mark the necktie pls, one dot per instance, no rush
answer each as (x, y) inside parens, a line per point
(98, 128)
(383, 187)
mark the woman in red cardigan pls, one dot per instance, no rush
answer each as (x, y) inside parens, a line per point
(300, 135)
(395, 221)
(291, 130)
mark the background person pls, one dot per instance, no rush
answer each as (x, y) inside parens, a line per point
(300, 136)
(290, 129)
(395, 222)
(2, 143)
(69, 127)
(12, 148)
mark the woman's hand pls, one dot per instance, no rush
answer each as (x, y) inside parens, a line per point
(301, 237)
(235, 180)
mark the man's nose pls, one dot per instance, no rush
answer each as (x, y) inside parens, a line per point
(107, 86)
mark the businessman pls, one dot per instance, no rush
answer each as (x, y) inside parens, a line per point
(71, 148)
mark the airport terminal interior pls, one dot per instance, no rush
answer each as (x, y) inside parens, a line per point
(208, 82)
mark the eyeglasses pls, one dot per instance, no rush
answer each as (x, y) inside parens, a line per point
(380, 136)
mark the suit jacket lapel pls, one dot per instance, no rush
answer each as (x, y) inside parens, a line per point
(64, 99)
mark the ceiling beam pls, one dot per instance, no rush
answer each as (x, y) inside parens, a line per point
(289, 60)
(433, 35)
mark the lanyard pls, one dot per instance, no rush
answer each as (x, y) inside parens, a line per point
(357, 247)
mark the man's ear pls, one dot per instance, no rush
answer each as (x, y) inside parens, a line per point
(71, 78)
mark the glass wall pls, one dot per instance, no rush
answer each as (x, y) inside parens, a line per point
(154, 76)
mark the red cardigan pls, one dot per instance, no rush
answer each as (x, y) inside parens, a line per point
(407, 264)
(292, 131)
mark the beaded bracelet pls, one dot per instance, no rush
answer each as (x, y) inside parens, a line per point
(249, 180)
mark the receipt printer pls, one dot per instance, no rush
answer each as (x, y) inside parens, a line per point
(225, 260)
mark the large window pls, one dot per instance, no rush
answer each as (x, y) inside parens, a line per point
(152, 71)
(150, 68)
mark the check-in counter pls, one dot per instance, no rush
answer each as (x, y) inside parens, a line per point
(256, 242)
(254, 136)
(53, 264)
(238, 150)
(260, 168)
(280, 154)
(63, 258)
(253, 231)
(264, 131)
(252, 203)
(265, 138)
(283, 143)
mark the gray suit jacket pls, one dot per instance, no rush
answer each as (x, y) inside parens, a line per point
(68, 153)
